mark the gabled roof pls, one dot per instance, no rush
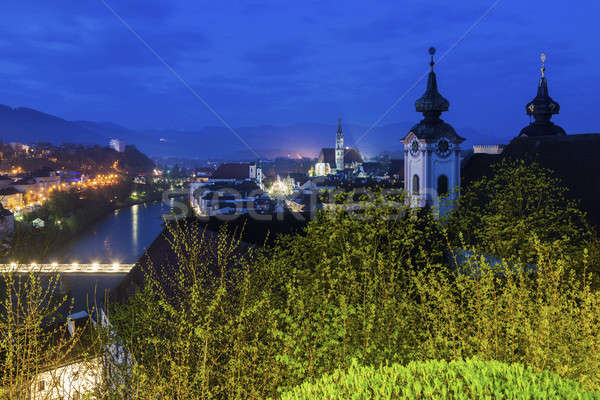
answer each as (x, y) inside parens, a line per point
(351, 155)
(232, 171)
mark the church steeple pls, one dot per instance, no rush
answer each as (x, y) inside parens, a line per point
(432, 103)
(541, 108)
(339, 147)
(432, 153)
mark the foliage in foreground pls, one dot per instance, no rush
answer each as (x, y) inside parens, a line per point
(374, 289)
(502, 213)
(469, 379)
(35, 341)
(222, 321)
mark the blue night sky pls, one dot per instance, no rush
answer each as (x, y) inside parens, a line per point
(276, 62)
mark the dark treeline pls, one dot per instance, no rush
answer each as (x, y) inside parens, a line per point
(75, 157)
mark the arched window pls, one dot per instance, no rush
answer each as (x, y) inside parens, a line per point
(415, 186)
(442, 185)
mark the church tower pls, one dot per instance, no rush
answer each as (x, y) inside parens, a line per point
(432, 151)
(541, 108)
(339, 147)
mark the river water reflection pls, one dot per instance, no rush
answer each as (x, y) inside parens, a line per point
(121, 237)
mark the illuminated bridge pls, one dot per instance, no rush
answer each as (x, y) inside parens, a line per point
(74, 268)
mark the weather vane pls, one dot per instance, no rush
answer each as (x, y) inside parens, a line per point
(543, 58)
(432, 52)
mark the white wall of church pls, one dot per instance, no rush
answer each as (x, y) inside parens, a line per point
(429, 166)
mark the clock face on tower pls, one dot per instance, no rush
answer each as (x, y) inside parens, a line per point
(414, 147)
(443, 148)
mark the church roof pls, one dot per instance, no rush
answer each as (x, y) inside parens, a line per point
(432, 100)
(431, 130)
(351, 155)
(542, 107)
(573, 158)
(432, 104)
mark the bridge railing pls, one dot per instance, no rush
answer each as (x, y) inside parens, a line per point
(94, 268)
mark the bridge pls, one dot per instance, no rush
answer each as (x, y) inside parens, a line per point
(74, 268)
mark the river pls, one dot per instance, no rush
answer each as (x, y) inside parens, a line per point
(121, 237)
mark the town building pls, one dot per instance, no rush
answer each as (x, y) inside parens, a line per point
(11, 198)
(46, 179)
(227, 198)
(28, 186)
(432, 153)
(332, 160)
(117, 145)
(20, 148)
(232, 172)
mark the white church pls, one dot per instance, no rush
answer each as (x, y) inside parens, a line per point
(432, 152)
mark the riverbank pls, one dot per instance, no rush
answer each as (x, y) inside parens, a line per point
(67, 216)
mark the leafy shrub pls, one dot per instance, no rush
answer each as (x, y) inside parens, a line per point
(470, 379)
(502, 213)
(34, 337)
(343, 290)
(546, 319)
(379, 286)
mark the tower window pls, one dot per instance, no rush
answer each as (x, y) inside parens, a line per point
(442, 185)
(415, 184)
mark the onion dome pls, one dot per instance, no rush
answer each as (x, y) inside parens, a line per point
(432, 104)
(541, 108)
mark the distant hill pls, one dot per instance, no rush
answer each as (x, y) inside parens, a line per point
(28, 125)
(214, 142)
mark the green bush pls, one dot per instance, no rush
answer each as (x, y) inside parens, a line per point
(374, 287)
(501, 214)
(470, 379)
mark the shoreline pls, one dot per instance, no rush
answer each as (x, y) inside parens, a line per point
(46, 246)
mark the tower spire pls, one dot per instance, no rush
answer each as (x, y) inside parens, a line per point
(432, 103)
(339, 147)
(542, 108)
(432, 52)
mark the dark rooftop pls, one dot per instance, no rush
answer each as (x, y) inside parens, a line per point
(232, 171)
(573, 158)
(351, 155)
(8, 191)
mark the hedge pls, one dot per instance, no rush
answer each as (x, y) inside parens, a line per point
(469, 379)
